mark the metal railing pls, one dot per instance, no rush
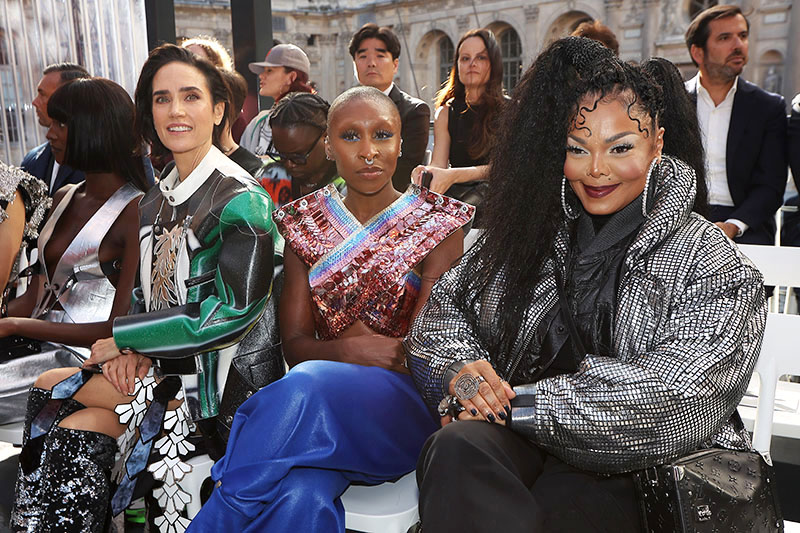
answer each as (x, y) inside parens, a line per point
(108, 37)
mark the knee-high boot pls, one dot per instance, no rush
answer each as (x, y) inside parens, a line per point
(76, 488)
(27, 508)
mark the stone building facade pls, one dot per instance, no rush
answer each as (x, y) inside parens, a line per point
(429, 29)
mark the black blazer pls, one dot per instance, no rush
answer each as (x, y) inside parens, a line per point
(39, 162)
(415, 117)
(755, 156)
(793, 143)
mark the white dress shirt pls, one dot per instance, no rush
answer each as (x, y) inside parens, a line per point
(714, 123)
(54, 175)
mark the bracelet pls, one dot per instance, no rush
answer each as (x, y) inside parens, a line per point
(450, 406)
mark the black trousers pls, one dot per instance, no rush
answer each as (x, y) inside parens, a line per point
(480, 477)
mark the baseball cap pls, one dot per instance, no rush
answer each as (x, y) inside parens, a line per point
(283, 55)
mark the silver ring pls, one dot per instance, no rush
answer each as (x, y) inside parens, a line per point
(466, 386)
(369, 161)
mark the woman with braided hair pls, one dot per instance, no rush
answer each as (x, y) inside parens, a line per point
(600, 326)
(299, 124)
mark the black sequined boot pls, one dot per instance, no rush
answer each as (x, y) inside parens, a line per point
(76, 480)
(27, 507)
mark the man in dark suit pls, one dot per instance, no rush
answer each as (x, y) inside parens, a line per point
(376, 54)
(744, 128)
(40, 161)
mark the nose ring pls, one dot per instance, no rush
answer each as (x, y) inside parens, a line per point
(369, 161)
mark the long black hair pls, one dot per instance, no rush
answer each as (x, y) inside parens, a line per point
(99, 115)
(682, 137)
(523, 207)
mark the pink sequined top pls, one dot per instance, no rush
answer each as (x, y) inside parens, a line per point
(366, 271)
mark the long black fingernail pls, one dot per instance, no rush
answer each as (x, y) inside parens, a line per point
(502, 415)
(491, 418)
(474, 412)
(507, 408)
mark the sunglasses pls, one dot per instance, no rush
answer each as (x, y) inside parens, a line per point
(297, 159)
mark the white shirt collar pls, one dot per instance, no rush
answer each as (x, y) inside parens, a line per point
(176, 192)
(702, 92)
(389, 89)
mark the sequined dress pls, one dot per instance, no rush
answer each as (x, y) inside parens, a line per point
(298, 443)
(687, 330)
(37, 202)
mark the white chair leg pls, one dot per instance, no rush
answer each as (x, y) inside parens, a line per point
(191, 482)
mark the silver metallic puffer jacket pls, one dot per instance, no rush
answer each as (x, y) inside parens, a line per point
(688, 329)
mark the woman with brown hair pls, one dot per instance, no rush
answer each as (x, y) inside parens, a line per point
(285, 70)
(466, 111)
(205, 252)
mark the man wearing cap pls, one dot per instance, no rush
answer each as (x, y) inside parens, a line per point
(284, 70)
(376, 54)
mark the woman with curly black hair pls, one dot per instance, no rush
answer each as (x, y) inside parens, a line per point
(598, 327)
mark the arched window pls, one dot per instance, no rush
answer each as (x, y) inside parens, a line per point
(511, 49)
(446, 51)
(696, 6)
(771, 66)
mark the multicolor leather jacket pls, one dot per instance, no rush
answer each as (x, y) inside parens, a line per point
(688, 329)
(206, 257)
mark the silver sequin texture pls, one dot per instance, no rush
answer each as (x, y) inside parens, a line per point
(38, 202)
(689, 326)
(76, 485)
(28, 509)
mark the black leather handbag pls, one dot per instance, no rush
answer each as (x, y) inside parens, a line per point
(711, 490)
(15, 346)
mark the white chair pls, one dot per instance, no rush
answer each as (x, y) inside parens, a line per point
(12, 433)
(780, 265)
(386, 508)
(191, 482)
(778, 357)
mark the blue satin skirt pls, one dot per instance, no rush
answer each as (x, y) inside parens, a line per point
(298, 443)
